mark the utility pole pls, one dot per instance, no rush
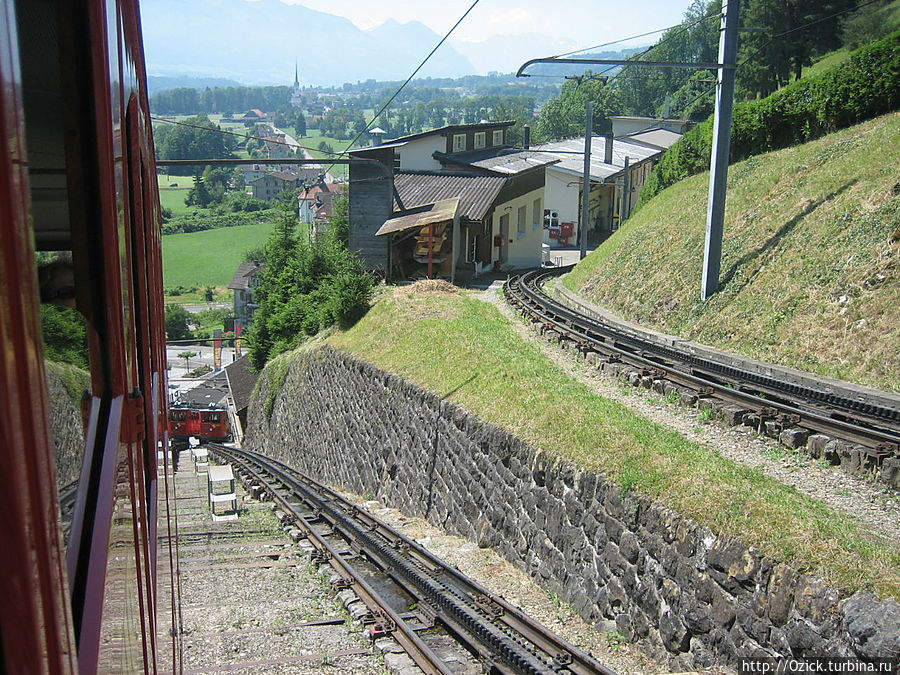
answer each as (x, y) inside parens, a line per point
(715, 214)
(586, 181)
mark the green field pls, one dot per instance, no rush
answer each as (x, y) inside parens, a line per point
(208, 258)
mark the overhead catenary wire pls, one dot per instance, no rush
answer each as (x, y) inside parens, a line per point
(408, 79)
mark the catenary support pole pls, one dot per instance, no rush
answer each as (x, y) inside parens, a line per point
(586, 180)
(715, 214)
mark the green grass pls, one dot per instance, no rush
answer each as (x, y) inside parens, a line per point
(457, 345)
(208, 258)
(809, 273)
(173, 199)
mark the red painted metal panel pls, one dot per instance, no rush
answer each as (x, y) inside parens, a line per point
(36, 628)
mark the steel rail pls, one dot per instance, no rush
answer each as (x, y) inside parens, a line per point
(462, 606)
(420, 653)
(806, 406)
(562, 652)
(460, 617)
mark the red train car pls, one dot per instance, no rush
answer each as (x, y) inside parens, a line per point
(77, 174)
(205, 424)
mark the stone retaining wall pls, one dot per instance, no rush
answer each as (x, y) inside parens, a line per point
(682, 593)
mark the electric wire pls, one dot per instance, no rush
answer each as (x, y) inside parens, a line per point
(408, 79)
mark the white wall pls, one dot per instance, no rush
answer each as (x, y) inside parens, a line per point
(525, 250)
(416, 154)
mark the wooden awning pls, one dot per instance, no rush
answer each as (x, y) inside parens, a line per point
(443, 211)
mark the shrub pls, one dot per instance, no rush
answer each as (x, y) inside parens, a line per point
(865, 86)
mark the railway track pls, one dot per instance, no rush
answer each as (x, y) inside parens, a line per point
(823, 409)
(410, 594)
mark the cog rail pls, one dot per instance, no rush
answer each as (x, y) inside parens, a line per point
(867, 423)
(498, 635)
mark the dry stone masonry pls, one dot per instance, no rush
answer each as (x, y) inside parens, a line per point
(685, 595)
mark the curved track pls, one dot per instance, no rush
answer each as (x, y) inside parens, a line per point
(499, 637)
(818, 408)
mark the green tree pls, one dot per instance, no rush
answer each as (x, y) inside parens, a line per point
(65, 335)
(187, 356)
(564, 116)
(305, 287)
(199, 194)
(177, 318)
(195, 138)
(795, 32)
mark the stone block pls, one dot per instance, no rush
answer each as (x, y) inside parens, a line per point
(735, 563)
(815, 445)
(674, 634)
(814, 600)
(873, 625)
(771, 428)
(659, 386)
(890, 472)
(732, 415)
(794, 437)
(629, 547)
(780, 597)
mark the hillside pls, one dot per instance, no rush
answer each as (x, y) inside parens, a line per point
(464, 349)
(811, 260)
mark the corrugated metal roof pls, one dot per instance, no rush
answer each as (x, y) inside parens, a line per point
(661, 138)
(569, 156)
(440, 212)
(476, 193)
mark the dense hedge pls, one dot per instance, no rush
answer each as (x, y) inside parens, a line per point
(210, 221)
(865, 86)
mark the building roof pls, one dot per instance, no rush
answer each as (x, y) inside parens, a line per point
(440, 212)
(209, 392)
(661, 138)
(241, 381)
(241, 279)
(568, 156)
(454, 129)
(476, 193)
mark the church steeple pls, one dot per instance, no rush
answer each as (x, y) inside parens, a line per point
(296, 76)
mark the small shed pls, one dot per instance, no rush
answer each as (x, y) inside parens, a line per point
(427, 237)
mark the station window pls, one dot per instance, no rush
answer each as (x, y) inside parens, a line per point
(498, 137)
(522, 217)
(536, 213)
(459, 142)
(480, 139)
(551, 218)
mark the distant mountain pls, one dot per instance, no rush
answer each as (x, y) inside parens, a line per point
(505, 53)
(258, 42)
(156, 84)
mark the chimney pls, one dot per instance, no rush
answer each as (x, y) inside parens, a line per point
(526, 130)
(607, 149)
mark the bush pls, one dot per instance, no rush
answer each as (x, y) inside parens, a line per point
(865, 86)
(194, 222)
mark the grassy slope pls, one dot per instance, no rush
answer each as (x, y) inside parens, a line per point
(208, 258)
(811, 261)
(457, 343)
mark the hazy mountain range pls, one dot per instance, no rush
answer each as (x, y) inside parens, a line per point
(257, 43)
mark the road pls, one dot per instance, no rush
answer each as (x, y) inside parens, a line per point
(177, 370)
(294, 145)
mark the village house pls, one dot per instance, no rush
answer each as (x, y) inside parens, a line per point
(244, 283)
(273, 184)
(404, 220)
(620, 164)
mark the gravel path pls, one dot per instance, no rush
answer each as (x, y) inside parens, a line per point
(876, 505)
(250, 597)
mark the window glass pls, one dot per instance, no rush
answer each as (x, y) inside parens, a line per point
(480, 139)
(459, 142)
